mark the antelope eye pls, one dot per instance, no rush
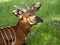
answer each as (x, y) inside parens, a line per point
(20, 12)
(30, 15)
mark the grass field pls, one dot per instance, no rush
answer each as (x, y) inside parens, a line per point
(47, 33)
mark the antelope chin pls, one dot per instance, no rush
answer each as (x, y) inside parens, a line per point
(39, 23)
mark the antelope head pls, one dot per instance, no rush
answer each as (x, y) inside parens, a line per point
(28, 16)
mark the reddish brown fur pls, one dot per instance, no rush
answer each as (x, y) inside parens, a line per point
(21, 30)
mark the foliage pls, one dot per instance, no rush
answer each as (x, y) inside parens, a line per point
(47, 33)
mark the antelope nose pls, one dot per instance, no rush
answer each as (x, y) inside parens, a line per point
(39, 20)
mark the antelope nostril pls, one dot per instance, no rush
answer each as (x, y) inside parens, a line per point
(39, 19)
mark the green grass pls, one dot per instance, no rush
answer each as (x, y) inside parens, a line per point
(47, 33)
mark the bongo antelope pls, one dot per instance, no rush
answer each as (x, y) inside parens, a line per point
(15, 35)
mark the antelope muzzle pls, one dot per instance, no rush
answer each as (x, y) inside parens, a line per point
(29, 14)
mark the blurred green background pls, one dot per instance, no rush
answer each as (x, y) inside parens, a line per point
(47, 33)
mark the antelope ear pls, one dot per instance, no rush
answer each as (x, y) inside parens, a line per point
(18, 13)
(35, 6)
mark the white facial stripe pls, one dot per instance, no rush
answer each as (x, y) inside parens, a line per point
(20, 16)
(34, 16)
(29, 19)
(30, 22)
(15, 13)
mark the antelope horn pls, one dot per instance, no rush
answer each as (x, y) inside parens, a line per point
(26, 6)
(18, 7)
(23, 10)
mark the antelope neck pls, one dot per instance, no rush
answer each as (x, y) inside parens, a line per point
(25, 27)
